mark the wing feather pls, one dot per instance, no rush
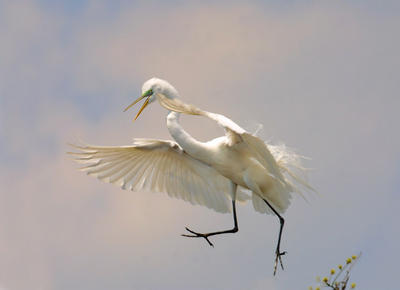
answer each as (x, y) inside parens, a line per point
(156, 165)
(130, 178)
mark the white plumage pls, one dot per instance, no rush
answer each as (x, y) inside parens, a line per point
(160, 166)
(213, 174)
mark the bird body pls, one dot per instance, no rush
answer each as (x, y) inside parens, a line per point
(213, 174)
(235, 159)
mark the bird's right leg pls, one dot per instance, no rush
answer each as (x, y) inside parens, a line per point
(205, 236)
(278, 251)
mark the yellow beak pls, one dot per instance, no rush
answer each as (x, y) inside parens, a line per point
(142, 108)
(137, 100)
(146, 94)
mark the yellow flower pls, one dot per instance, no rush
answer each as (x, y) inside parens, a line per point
(348, 261)
(317, 288)
(354, 257)
(310, 288)
(333, 271)
(340, 267)
(353, 285)
(325, 279)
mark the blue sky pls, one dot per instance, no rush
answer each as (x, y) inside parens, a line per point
(321, 76)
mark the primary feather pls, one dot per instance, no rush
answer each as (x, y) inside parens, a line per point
(160, 166)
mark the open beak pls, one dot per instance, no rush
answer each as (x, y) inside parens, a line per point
(146, 94)
(142, 108)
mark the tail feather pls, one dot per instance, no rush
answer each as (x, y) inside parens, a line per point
(290, 165)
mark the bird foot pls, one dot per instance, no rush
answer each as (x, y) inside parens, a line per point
(197, 235)
(279, 255)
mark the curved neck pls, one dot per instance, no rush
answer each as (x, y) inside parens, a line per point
(188, 143)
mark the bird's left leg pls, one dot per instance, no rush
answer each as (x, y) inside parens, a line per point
(205, 236)
(278, 252)
(235, 227)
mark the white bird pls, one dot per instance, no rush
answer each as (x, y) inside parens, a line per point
(213, 174)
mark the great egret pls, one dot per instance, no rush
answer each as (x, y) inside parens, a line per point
(208, 174)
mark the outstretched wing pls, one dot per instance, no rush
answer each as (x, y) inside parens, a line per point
(160, 166)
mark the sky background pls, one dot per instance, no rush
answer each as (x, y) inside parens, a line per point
(321, 76)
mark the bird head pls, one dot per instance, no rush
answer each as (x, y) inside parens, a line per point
(151, 89)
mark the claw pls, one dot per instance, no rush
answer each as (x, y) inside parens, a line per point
(278, 257)
(197, 235)
(190, 231)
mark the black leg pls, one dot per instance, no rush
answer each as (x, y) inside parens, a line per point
(278, 252)
(205, 236)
